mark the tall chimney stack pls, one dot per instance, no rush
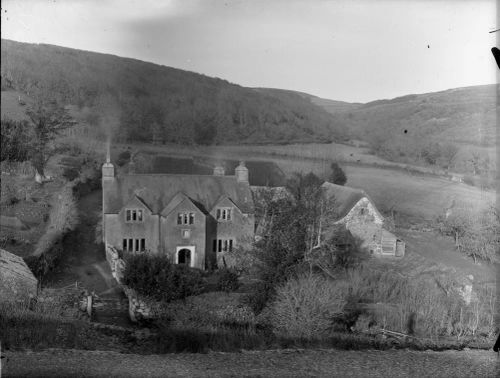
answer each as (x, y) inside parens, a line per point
(241, 172)
(108, 170)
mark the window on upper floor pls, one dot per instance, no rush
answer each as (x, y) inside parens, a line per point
(185, 218)
(134, 215)
(223, 213)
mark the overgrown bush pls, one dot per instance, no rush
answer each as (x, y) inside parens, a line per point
(418, 305)
(34, 325)
(227, 280)
(307, 306)
(154, 276)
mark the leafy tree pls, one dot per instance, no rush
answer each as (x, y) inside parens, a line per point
(337, 175)
(48, 120)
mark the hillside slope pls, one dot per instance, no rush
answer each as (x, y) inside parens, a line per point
(462, 115)
(144, 101)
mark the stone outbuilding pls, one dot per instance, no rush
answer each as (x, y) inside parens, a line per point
(358, 213)
(17, 282)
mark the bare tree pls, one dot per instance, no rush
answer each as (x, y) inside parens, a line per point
(48, 119)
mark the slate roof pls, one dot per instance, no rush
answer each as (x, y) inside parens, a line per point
(158, 190)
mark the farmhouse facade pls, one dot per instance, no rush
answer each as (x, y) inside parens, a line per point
(358, 213)
(193, 219)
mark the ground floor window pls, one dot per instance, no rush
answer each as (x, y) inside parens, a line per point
(134, 245)
(222, 245)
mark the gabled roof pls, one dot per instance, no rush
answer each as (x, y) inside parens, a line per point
(134, 198)
(224, 197)
(158, 190)
(176, 201)
(345, 197)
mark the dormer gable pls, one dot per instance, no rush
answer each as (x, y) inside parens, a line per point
(178, 200)
(134, 210)
(224, 209)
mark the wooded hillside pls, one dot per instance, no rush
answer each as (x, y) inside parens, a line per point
(142, 101)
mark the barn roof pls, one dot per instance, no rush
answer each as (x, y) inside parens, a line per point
(345, 197)
(158, 190)
(14, 266)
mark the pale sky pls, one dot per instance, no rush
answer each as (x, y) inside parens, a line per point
(342, 50)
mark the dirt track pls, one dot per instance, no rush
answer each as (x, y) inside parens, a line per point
(331, 363)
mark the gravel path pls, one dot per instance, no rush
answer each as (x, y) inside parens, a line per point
(309, 363)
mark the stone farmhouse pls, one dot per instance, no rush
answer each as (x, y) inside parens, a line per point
(194, 219)
(358, 213)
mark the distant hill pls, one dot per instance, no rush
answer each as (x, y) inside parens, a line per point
(461, 115)
(331, 106)
(144, 101)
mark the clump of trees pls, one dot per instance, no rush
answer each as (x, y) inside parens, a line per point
(476, 233)
(297, 237)
(32, 140)
(156, 277)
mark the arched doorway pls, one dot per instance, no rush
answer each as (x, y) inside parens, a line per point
(184, 257)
